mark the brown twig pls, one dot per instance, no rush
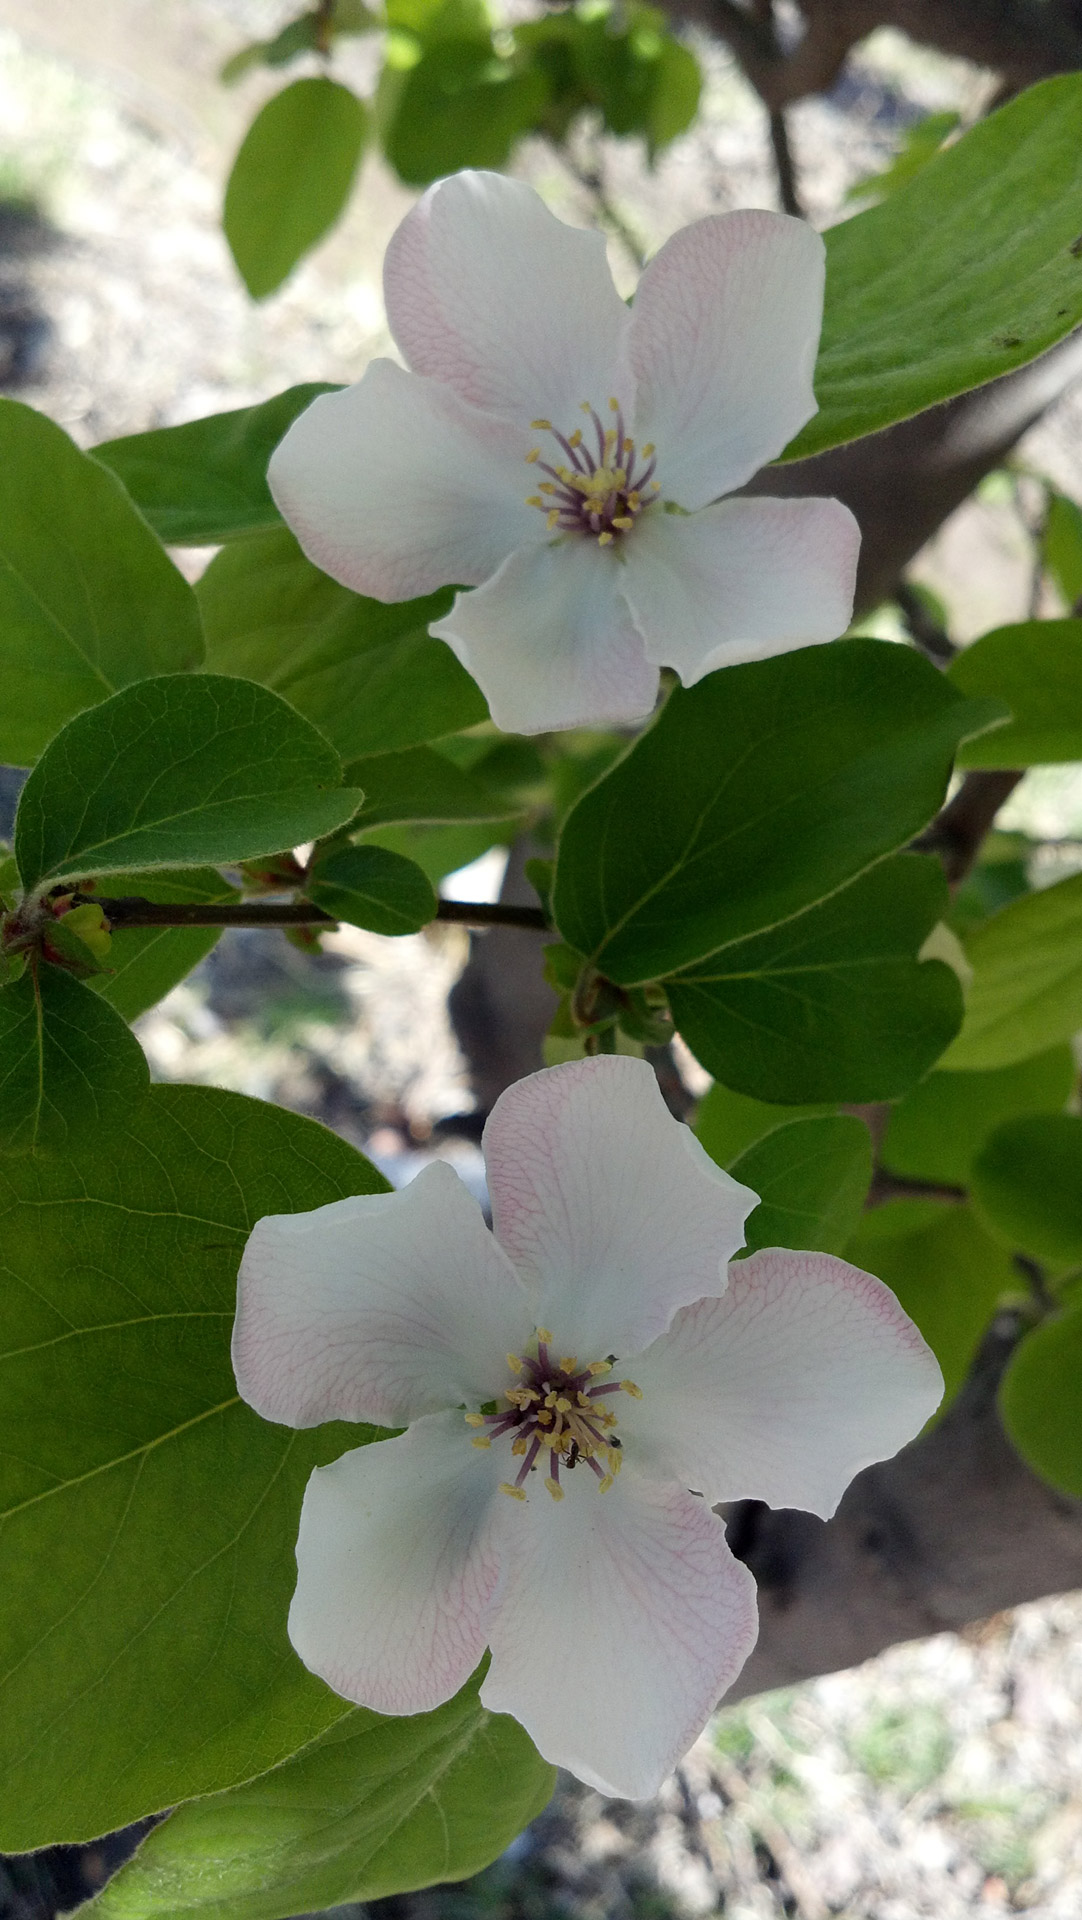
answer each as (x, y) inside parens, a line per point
(956, 834)
(133, 912)
(889, 1186)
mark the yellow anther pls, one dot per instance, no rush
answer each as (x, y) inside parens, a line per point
(575, 439)
(541, 426)
(552, 518)
(564, 473)
(563, 1404)
(614, 405)
(544, 1417)
(534, 500)
(475, 1419)
(583, 1398)
(648, 449)
(568, 1364)
(605, 539)
(482, 1441)
(585, 406)
(534, 454)
(548, 1439)
(610, 437)
(556, 1491)
(619, 478)
(629, 443)
(634, 499)
(615, 1459)
(623, 520)
(517, 1446)
(630, 1387)
(546, 487)
(655, 486)
(543, 1334)
(599, 1366)
(516, 1493)
(606, 1483)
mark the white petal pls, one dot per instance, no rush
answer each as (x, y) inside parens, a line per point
(550, 641)
(396, 1569)
(606, 1204)
(741, 581)
(395, 486)
(379, 1308)
(807, 1371)
(623, 1619)
(724, 334)
(489, 292)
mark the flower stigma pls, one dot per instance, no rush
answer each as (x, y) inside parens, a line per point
(554, 1418)
(599, 494)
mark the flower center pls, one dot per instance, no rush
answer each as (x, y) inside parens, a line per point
(601, 494)
(555, 1418)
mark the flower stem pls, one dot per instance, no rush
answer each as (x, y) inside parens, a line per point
(132, 912)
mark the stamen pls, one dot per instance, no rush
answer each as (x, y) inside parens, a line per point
(629, 1386)
(648, 449)
(534, 454)
(605, 539)
(552, 518)
(608, 1482)
(533, 500)
(575, 439)
(482, 1440)
(516, 1493)
(475, 1419)
(541, 426)
(569, 1364)
(614, 405)
(555, 1489)
(622, 521)
(599, 1366)
(543, 1334)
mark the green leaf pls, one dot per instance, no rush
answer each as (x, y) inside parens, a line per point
(206, 481)
(920, 143)
(946, 1271)
(369, 675)
(752, 796)
(1061, 547)
(88, 600)
(1041, 1401)
(460, 106)
(292, 178)
(176, 772)
(968, 271)
(1027, 1186)
(420, 785)
(69, 1067)
(162, 1508)
(375, 1807)
(936, 1132)
(727, 1123)
(811, 1177)
(1026, 992)
(1035, 668)
(146, 962)
(833, 1004)
(370, 887)
(439, 851)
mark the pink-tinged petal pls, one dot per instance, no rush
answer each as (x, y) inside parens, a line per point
(395, 486)
(489, 292)
(741, 581)
(381, 1307)
(623, 1619)
(804, 1373)
(608, 1206)
(724, 335)
(396, 1568)
(550, 641)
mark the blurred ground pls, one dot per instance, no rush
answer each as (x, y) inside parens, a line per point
(941, 1779)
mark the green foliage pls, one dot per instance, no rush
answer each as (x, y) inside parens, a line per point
(371, 887)
(145, 962)
(1027, 1185)
(623, 63)
(292, 178)
(176, 772)
(811, 1177)
(421, 785)
(1061, 546)
(373, 1807)
(936, 1132)
(206, 481)
(460, 106)
(757, 793)
(1036, 670)
(147, 1517)
(947, 1272)
(964, 273)
(920, 143)
(68, 1064)
(369, 675)
(832, 1004)
(1041, 1401)
(728, 1123)
(88, 600)
(1026, 992)
(308, 33)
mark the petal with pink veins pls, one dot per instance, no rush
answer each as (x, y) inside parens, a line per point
(550, 642)
(723, 341)
(740, 581)
(395, 486)
(609, 1208)
(487, 291)
(623, 1619)
(396, 1568)
(805, 1372)
(381, 1307)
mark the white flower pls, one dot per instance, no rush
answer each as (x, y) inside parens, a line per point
(588, 1361)
(543, 431)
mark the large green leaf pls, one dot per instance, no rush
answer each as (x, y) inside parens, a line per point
(147, 1517)
(755, 794)
(371, 887)
(1041, 1401)
(811, 1177)
(1027, 1185)
(945, 1269)
(369, 675)
(968, 271)
(145, 962)
(833, 1004)
(68, 1064)
(206, 481)
(175, 772)
(292, 178)
(1036, 670)
(936, 1132)
(374, 1807)
(88, 600)
(1026, 991)
(421, 786)
(460, 106)
(728, 1123)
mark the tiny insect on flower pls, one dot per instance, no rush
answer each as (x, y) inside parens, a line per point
(562, 457)
(579, 1386)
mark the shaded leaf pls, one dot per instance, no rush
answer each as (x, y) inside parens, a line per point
(936, 1132)
(1026, 991)
(371, 887)
(69, 1067)
(291, 178)
(811, 1177)
(1041, 1401)
(1027, 1186)
(1035, 668)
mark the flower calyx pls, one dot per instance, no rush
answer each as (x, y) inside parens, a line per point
(66, 929)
